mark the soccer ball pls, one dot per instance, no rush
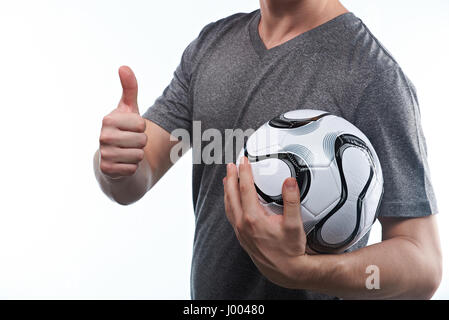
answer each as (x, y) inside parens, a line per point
(337, 170)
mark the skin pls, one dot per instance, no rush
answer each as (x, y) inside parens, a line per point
(282, 20)
(134, 154)
(409, 256)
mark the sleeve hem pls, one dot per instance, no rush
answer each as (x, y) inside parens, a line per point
(162, 120)
(406, 210)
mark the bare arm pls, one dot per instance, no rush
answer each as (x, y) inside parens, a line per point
(134, 153)
(408, 258)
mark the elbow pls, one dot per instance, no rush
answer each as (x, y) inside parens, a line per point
(429, 280)
(434, 273)
(433, 279)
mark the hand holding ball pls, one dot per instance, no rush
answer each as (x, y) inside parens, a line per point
(337, 170)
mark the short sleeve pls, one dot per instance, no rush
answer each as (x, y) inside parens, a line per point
(389, 115)
(173, 109)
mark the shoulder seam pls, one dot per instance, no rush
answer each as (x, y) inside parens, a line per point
(378, 42)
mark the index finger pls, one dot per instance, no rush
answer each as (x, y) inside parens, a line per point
(248, 192)
(232, 196)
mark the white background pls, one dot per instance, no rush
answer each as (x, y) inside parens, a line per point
(60, 237)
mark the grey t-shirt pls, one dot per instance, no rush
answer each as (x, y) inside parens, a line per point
(228, 79)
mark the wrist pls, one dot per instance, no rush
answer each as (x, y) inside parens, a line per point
(302, 268)
(312, 271)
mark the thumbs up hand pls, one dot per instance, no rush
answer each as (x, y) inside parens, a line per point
(123, 137)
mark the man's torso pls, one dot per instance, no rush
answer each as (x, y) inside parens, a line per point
(237, 83)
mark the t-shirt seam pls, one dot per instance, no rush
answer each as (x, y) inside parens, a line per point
(385, 51)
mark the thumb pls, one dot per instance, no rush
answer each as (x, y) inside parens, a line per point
(129, 85)
(292, 204)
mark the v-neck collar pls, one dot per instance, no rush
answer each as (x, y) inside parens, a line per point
(306, 41)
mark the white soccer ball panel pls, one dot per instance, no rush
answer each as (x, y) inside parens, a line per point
(318, 200)
(266, 140)
(341, 224)
(270, 174)
(314, 141)
(356, 168)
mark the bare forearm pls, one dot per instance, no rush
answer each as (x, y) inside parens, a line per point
(128, 189)
(407, 263)
(404, 272)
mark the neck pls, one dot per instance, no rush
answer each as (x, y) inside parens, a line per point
(282, 20)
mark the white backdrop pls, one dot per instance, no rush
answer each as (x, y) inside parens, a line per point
(60, 237)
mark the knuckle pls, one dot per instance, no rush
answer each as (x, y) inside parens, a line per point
(143, 140)
(103, 153)
(102, 139)
(243, 188)
(291, 201)
(131, 170)
(239, 226)
(141, 124)
(248, 220)
(105, 138)
(105, 167)
(140, 154)
(108, 121)
(291, 228)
